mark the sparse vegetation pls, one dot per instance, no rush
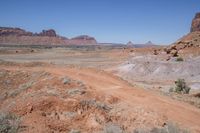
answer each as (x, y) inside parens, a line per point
(76, 91)
(191, 99)
(94, 103)
(66, 80)
(181, 87)
(112, 128)
(9, 123)
(168, 128)
(21, 88)
(75, 131)
(179, 59)
(84, 97)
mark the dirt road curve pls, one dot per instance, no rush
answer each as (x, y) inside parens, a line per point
(184, 114)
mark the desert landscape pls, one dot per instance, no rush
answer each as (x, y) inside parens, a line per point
(54, 84)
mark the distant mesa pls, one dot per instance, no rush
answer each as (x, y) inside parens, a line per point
(195, 23)
(83, 39)
(9, 35)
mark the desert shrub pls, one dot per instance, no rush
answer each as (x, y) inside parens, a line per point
(95, 104)
(9, 123)
(179, 59)
(66, 80)
(168, 128)
(112, 128)
(75, 131)
(181, 87)
(20, 89)
(76, 91)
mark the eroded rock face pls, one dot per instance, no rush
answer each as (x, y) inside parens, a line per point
(196, 23)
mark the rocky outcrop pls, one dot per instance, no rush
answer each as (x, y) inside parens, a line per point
(191, 40)
(50, 33)
(47, 37)
(195, 23)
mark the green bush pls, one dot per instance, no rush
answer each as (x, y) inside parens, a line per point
(181, 87)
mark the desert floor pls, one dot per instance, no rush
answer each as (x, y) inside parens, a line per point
(97, 89)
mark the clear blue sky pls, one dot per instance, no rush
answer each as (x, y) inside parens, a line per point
(161, 21)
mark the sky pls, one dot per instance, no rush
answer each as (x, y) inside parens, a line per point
(116, 21)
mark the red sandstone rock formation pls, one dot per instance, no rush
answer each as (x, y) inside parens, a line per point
(46, 37)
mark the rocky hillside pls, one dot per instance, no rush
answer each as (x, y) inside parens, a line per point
(191, 40)
(46, 37)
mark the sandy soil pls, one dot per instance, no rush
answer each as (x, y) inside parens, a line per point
(62, 90)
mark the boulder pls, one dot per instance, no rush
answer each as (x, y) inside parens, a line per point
(174, 53)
